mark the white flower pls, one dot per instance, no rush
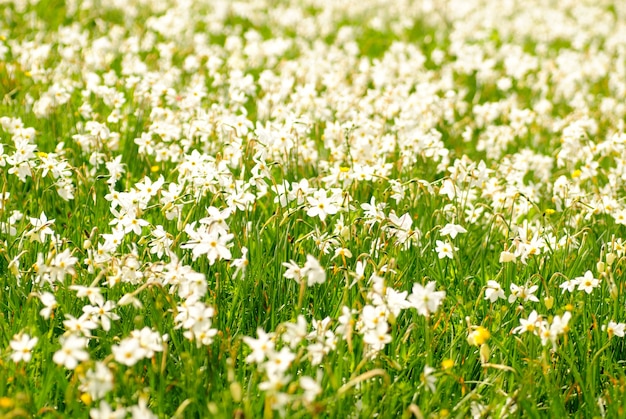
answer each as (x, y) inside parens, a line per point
(293, 271)
(523, 292)
(216, 221)
(378, 336)
(61, 265)
(452, 230)
(104, 411)
(445, 250)
(278, 362)
(587, 282)
(321, 205)
(295, 332)
(97, 382)
(241, 263)
(615, 329)
(425, 299)
(373, 212)
(429, 379)
(72, 352)
(102, 314)
(311, 388)
(394, 300)
(313, 271)
(22, 345)
(150, 341)
(82, 325)
(343, 252)
(161, 242)
(371, 316)
(49, 302)
(214, 244)
(41, 228)
(93, 293)
(128, 352)
(141, 410)
(531, 324)
(273, 385)
(559, 326)
(261, 347)
(494, 291)
(448, 188)
(569, 285)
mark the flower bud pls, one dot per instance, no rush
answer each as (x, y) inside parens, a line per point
(610, 258)
(549, 302)
(485, 352)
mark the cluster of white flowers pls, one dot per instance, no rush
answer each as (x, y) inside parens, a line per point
(548, 332)
(139, 345)
(312, 271)
(385, 305)
(26, 161)
(177, 125)
(276, 364)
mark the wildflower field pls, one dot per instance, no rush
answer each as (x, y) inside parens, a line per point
(312, 208)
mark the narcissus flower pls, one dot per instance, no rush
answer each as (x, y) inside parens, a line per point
(445, 249)
(494, 291)
(615, 329)
(452, 230)
(425, 299)
(22, 346)
(587, 282)
(429, 379)
(478, 336)
(313, 271)
(321, 205)
(72, 352)
(531, 324)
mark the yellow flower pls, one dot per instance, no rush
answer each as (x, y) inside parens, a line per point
(86, 398)
(478, 336)
(6, 403)
(447, 364)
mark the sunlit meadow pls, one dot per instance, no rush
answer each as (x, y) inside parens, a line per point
(312, 208)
